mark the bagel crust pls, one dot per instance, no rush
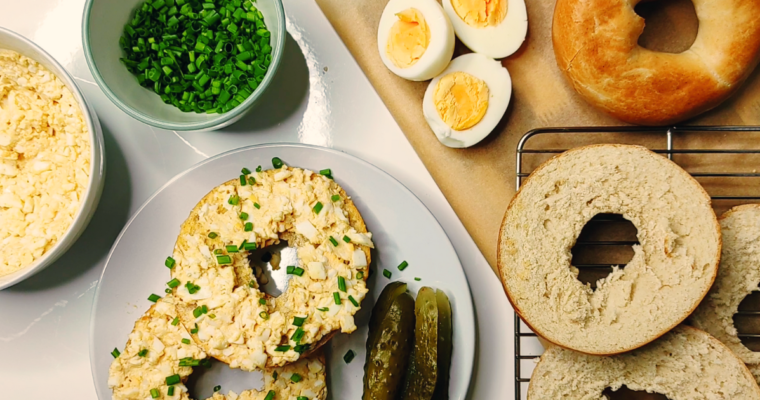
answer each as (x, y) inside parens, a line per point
(132, 376)
(672, 268)
(685, 364)
(596, 47)
(229, 317)
(738, 276)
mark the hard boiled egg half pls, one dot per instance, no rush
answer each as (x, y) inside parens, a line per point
(495, 28)
(415, 38)
(466, 102)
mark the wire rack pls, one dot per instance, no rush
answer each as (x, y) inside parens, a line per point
(724, 159)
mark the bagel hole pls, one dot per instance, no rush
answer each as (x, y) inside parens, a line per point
(671, 25)
(747, 321)
(606, 240)
(201, 383)
(627, 394)
(269, 266)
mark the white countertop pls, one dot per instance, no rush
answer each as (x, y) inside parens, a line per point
(319, 97)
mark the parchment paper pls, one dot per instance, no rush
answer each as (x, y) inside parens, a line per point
(479, 181)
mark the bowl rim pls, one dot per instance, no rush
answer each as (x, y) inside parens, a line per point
(95, 181)
(190, 126)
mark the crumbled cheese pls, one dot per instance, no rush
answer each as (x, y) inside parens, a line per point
(44, 160)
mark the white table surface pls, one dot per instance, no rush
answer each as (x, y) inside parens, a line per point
(319, 97)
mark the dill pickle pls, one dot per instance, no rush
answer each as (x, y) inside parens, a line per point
(388, 352)
(445, 345)
(383, 304)
(422, 376)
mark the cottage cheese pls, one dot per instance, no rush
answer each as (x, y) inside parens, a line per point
(243, 326)
(44, 160)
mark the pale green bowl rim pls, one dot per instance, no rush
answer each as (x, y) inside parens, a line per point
(222, 119)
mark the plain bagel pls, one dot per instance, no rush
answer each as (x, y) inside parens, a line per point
(685, 364)
(595, 43)
(218, 297)
(671, 270)
(738, 276)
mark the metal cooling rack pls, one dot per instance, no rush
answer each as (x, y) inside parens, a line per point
(727, 188)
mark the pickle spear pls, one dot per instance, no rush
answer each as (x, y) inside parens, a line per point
(423, 374)
(383, 304)
(445, 344)
(388, 353)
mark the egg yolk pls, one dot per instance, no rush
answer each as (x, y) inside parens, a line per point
(480, 13)
(408, 39)
(461, 100)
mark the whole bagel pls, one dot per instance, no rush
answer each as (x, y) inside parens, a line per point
(685, 364)
(218, 297)
(672, 268)
(596, 46)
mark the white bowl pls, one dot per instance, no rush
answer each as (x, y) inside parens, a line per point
(102, 26)
(12, 41)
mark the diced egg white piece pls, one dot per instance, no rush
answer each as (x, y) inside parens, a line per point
(360, 259)
(361, 238)
(308, 230)
(317, 270)
(157, 345)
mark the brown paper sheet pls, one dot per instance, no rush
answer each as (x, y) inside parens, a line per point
(479, 181)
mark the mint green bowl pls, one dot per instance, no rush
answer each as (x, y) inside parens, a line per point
(102, 26)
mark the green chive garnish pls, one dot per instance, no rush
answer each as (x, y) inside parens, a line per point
(115, 353)
(250, 246)
(234, 200)
(289, 269)
(346, 239)
(258, 169)
(333, 241)
(342, 283)
(336, 297)
(154, 393)
(231, 248)
(262, 302)
(335, 197)
(318, 207)
(191, 288)
(217, 388)
(323, 309)
(282, 348)
(244, 216)
(175, 321)
(298, 335)
(277, 163)
(298, 271)
(218, 251)
(243, 181)
(403, 265)
(213, 235)
(142, 353)
(186, 341)
(251, 181)
(224, 260)
(349, 356)
(387, 273)
(302, 398)
(301, 348)
(170, 391)
(197, 312)
(353, 301)
(154, 298)
(170, 263)
(173, 380)
(252, 284)
(167, 290)
(258, 207)
(417, 279)
(326, 172)
(298, 321)
(295, 378)
(360, 275)
(173, 283)
(264, 315)
(245, 171)
(270, 395)
(194, 330)
(274, 375)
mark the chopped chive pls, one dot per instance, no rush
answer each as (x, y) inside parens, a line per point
(349, 356)
(335, 197)
(301, 348)
(115, 353)
(170, 263)
(417, 279)
(173, 283)
(167, 290)
(231, 248)
(217, 388)
(258, 207)
(333, 241)
(224, 260)
(302, 398)
(298, 335)
(186, 341)
(282, 348)
(274, 375)
(250, 246)
(270, 395)
(245, 171)
(175, 321)
(298, 271)
(218, 251)
(323, 309)
(326, 172)
(342, 283)
(192, 288)
(212, 316)
(173, 380)
(142, 353)
(336, 297)
(243, 181)
(244, 216)
(289, 269)
(170, 391)
(264, 315)
(387, 273)
(295, 378)
(360, 275)
(258, 169)
(154, 298)
(194, 330)
(403, 265)
(234, 200)
(251, 181)
(277, 163)
(298, 321)
(213, 235)
(189, 362)
(353, 301)
(154, 393)
(346, 239)
(317, 207)
(197, 312)
(206, 362)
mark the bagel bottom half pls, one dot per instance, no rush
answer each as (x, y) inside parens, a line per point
(684, 364)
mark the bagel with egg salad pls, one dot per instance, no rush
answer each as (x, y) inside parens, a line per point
(595, 43)
(218, 298)
(160, 356)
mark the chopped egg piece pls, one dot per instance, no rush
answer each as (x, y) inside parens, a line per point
(494, 28)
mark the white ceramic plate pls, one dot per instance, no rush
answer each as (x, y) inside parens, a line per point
(403, 229)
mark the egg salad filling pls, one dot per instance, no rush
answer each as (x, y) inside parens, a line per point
(219, 299)
(160, 356)
(461, 100)
(408, 39)
(44, 160)
(480, 13)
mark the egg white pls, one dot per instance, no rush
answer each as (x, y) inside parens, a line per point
(438, 53)
(494, 41)
(499, 84)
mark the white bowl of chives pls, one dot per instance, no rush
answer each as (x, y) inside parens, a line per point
(102, 27)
